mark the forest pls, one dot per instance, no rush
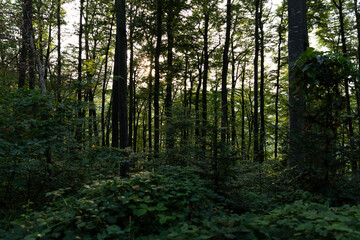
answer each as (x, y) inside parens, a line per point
(179, 119)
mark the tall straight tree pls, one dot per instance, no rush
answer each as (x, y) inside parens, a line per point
(262, 80)
(280, 31)
(157, 78)
(298, 42)
(206, 70)
(357, 17)
(169, 77)
(224, 104)
(120, 84)
(256, 80)
(58, 18)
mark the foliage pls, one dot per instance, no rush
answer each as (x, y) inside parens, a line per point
(148, 203)
(322, 78)
(174, 203)
(35, 136)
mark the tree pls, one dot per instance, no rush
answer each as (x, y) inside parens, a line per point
(157, 77)
(224, 104)
(297, 44)
(120, 84)
(256, 80)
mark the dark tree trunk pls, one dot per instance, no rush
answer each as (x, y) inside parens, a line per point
(256, 80)
(150, 102)
(262, 88)
(243, 142)
(157, 78)
(357, 16)
(197, 99)
(298, 42)
(278, 61)
(120, 72)
(232, 97)
(169, 76)
(224, 104)
(79, 130)
(58, 18)
(105, 84)
(131, 78)
(205, 79)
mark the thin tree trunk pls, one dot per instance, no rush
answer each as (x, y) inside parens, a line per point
(357, 16)
(224, 104)
(58, 17)
(197, 99)
(157, 78)
(105, 84)
(149, 103)
(169, 77)
(262, 88)
(256, 79)
(278, 61)
(243, 112)
(131, 78)
(205, 80)
(232, 97)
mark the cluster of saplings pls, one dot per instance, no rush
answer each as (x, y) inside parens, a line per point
(55, 187)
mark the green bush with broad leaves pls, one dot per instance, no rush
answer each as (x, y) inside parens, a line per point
(174, 204)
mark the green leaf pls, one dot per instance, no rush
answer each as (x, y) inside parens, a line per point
(140, 212)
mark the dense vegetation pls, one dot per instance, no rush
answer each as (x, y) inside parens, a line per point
(174, 119)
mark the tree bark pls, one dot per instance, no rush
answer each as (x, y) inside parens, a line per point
(169, 76)
(205, 79)
(297, 44)
(262, 142)
(256, 79)
(224, 104)
(157, 78)
(59, 66)
(278, 61)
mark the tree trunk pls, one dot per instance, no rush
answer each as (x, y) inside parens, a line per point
(58, 17)
(169, 76)
(278, 61)
(131, 78)
(256, 78)
(197, 99)
(224, 104)
(262, 78)
(105, 84)
(243, 147)
(157, 78)
(298, 42)
(205, 79)
(150, 103)
(232, 97)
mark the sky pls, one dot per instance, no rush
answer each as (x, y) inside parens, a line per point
(72, 19)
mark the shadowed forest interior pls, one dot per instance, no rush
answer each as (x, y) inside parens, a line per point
(179, 119)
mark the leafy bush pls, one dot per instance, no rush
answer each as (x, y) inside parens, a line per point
(174, 204)
(148, 203)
